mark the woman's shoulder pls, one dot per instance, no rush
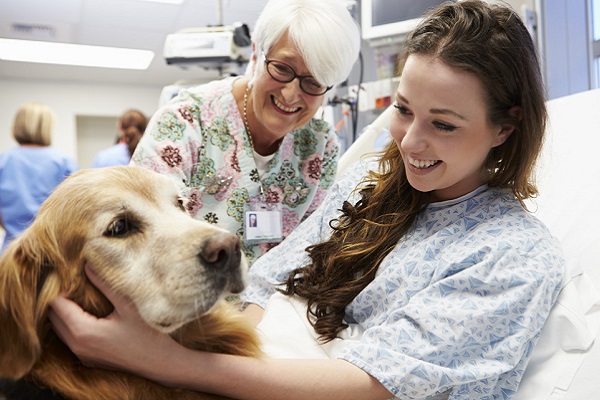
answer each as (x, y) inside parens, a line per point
(39, 158)
(319, 125)
(28, 151)
(316, 128)
(503, 219)
(350, 179)
(6, 153)
(489, 227)
(54, 152)
(359, 169)
(55, 155)
(491, 213)
(206, 91)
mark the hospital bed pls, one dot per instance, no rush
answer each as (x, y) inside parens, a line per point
(566, 360)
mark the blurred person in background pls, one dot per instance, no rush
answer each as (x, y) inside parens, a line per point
(131, 126)
(30, 171)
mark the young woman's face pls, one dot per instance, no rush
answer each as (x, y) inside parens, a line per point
(441, 128)
(282, 107)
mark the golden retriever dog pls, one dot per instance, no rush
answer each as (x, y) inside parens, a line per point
(131, 226)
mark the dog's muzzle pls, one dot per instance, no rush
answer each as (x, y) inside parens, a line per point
(221, 255)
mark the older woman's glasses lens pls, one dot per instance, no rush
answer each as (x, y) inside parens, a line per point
(283, 73)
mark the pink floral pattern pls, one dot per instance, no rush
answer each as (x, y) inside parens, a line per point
(200, 141)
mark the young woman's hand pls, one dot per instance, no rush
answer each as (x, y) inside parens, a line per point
(122, 340)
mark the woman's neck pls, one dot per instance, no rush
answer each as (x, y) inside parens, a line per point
(265, 147)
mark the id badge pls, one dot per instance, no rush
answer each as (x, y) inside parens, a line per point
(262, 223)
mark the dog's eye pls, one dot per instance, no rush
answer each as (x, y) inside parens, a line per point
(119, 228)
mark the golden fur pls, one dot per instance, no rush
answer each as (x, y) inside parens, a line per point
(130, 225)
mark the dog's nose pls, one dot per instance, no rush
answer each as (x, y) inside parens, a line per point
(221, 250)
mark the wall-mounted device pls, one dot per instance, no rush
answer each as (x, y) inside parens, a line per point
(385, 20)
(208, 46)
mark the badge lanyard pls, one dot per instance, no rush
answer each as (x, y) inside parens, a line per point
(262, 218)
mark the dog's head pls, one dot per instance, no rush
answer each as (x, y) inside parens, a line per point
(130, 225)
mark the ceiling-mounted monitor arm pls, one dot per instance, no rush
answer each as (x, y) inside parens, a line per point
(219, 12)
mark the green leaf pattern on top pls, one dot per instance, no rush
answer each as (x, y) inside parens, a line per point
(219, 134)
(235, 204)
(169, 127)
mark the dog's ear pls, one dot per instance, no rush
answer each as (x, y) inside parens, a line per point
(24, 269)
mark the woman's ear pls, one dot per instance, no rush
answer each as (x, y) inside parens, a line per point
(516, 114)
(254, 56)
(250, 69)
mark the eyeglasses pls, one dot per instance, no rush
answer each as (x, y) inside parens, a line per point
(283, 73)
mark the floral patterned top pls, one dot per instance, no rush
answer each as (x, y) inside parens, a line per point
(199, 140)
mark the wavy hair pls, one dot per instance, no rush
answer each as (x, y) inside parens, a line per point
(487, 40)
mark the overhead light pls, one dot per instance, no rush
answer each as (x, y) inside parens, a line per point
(74, 54)
(166, 1)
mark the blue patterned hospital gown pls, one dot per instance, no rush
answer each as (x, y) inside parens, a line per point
(457, 306)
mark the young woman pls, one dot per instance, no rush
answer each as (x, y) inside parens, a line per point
(131, 127)
(254, 144)
(422, 275)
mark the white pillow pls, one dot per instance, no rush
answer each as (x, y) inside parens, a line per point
(565, 362)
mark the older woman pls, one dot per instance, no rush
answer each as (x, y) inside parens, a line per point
(252, 144)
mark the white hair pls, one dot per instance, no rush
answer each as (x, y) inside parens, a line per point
(323, 31)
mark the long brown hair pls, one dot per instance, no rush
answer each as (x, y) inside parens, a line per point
(487, 40)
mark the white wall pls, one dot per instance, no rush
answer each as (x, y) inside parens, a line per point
(566, 47)
(70, 100)
(517, 4)
(564, 43)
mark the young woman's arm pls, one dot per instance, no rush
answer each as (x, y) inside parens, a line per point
(253, 378)
(253, 313)
(123, 341)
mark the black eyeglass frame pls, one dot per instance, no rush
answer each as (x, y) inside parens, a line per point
(294, 76)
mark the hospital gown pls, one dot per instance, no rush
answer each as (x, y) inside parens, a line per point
(458, 304)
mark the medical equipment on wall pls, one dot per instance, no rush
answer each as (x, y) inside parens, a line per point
(222, 47)
(209, 46)
(385, 22)
(225, 48)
